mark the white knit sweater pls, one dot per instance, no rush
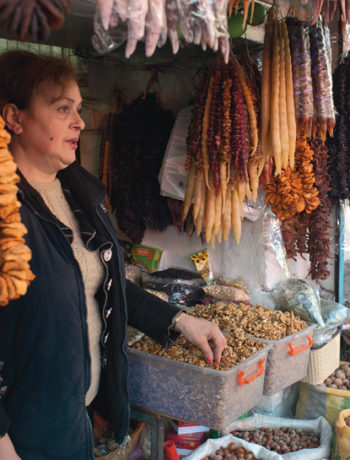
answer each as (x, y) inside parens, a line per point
(91, 270)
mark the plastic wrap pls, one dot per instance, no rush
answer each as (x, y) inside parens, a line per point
(203, 22)
(302, 80)
(273, 241)
(321, 71)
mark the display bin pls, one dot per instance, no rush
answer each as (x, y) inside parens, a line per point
(195, 394)
(287, 360)
(323, 361)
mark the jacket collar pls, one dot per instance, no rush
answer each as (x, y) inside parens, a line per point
(82, 191)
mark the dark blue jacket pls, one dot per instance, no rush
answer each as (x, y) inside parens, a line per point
(43, 335)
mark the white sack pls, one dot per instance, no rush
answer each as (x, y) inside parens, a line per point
(318, 426)
(211, 445)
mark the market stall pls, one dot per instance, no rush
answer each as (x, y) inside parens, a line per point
(219, 130)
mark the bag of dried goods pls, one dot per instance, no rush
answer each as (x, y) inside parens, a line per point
(212, 446)
(291, 439)
(327, 399)
(302, 298)
(341, 440)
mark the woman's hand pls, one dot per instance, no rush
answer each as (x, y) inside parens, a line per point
(205, 334)
(7, 451)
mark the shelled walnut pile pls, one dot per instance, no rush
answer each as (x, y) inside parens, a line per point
(238, 348)
(255, 320)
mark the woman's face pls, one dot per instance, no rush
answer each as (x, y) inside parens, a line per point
(50, 130)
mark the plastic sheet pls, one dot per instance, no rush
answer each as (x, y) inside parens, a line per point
(201, 22)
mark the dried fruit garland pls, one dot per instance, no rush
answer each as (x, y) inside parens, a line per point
(339, 145)
(15, 273)
(140, 136)
(278, 126)
(224, 159)
(293, 191)
(308, 233)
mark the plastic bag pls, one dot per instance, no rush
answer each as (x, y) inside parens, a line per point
(172, 176)
(301, 297)
(318, 425)
(183, 287)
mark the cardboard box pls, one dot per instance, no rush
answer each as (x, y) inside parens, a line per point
(186, 443)
(184, 428)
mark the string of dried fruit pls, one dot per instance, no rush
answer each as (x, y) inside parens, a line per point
(321, 71)
(302, 81)
(34, 17)
(308, 233)
(15, 272)
(141, 134)
(319, 243)
(226, 133)
(293, 191)
(193, 139)
(338, 146)
(278, 127)
(218, 178)
(214, 127)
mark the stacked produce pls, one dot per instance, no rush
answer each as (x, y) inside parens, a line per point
(339, 146)
(15, 273)
(254, 320)
(293, 191)
(140, 136)
(308, 233)
(224, 158)
(231, 452)
(33, 17)
(201, 22)
(281, 440)
(278, 126)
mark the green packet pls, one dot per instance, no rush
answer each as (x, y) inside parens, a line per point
(202, 263)
(147, 257)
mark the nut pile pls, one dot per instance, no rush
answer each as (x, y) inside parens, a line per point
(231, 453)
(339, 379)
(280, 440)
(238, 348)
(255, 320)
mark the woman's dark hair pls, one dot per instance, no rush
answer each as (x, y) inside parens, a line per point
(23, 73)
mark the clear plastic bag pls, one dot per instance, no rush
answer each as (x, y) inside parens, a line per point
(301, 297)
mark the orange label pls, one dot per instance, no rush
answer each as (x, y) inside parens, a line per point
(144, 252)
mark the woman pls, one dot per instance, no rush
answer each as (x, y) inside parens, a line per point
(63, 344)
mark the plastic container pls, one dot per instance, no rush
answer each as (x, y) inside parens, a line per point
(195, 394)
(323, 361)
(287, 360)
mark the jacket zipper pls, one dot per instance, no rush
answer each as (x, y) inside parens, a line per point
(91, 432)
